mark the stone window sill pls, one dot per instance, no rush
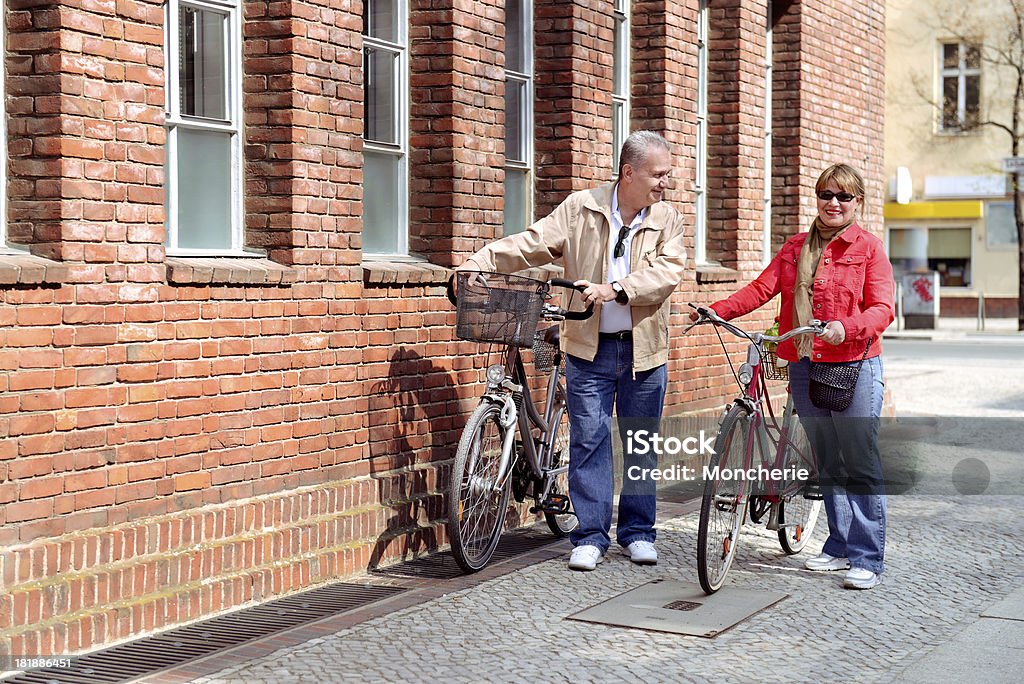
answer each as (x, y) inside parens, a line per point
(228, 271)
(26, 269)
(422, 272)
(419, 272)
(712, 273)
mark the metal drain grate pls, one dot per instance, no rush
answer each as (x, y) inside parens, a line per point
(682, 605)
(442, 566)
(151, 654)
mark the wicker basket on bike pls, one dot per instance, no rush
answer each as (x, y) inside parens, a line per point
(499, 308)
(773, 367)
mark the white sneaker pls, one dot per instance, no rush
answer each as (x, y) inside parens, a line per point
(824, 563)
(642, 552)
(861, 578)
(585, 557)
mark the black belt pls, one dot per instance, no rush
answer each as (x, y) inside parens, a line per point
(621, 335)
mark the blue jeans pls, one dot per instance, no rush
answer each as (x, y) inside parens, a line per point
(592, 388)
(849, 464)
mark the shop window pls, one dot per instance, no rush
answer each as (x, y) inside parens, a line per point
(946, 250)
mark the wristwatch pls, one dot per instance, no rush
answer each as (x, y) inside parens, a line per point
(620, 294)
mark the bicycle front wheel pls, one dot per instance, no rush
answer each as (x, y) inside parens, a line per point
(559, 523)
(476, 504)
(724, 503)
(797, 513)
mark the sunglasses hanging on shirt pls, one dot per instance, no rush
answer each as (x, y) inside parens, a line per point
(620, 245)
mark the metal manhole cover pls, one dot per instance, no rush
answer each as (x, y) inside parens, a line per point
(680, 608)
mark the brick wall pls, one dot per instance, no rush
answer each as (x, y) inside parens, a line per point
(181, 436)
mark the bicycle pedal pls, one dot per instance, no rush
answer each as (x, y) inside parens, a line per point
(813, 493)
(773, 518)
(555, 503)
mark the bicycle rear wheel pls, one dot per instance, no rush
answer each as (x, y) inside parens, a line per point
(476, 506)
(560, 524)
(797, 513)
(724, 504)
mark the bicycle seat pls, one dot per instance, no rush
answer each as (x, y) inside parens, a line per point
(550, 335)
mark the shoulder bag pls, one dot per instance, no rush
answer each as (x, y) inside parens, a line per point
(832, 385)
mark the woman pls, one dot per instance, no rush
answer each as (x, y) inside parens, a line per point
(836, 272)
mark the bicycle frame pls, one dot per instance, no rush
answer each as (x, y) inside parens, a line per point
(756, 398)
(535, 450)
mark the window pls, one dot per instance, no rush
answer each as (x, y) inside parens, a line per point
(385, 92)
(3, 135)
(946, 250)
(766, 216)
(204, 142)
(960, 83)
(621, 81)
(701, 181)
(518, 115)
(1000, 226)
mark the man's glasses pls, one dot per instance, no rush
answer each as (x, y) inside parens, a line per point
(827, 195)
(620, 245)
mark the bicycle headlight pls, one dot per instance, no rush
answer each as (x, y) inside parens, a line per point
(746, 374)
(495, 374)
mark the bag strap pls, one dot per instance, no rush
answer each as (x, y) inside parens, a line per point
(864, 358)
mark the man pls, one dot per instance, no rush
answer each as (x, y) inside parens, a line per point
(624, 245)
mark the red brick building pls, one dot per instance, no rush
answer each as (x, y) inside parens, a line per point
(227, 366)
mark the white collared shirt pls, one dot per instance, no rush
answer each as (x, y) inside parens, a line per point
(617, 317)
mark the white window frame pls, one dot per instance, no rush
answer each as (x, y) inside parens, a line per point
(961, 72)
(232, 126)
(766, 244)
(3, 132)
(400, 151)
(700, 199)
(526, 117)
(620, 96)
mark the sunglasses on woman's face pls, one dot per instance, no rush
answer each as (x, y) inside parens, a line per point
(827, 195)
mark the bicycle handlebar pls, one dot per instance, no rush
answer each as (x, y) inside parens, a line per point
(815, 327)
(565, 313)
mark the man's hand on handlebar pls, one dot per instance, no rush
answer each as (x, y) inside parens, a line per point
(595, 292)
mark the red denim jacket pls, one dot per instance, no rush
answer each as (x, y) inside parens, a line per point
(853, 285)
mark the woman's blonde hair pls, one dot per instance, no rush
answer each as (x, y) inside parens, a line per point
(847, 178)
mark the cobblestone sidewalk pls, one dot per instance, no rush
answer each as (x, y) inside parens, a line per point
(947, 559)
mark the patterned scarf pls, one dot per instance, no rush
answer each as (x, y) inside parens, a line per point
(818, 237)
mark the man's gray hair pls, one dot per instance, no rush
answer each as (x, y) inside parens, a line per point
(634, 150)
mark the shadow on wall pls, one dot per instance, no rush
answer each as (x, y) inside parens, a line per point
(415, 420)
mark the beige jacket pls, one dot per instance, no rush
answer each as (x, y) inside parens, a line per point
(577, 233)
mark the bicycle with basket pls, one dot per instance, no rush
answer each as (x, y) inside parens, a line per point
(491, 463)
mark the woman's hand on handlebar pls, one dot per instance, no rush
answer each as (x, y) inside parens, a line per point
(595, 292)
(834, 333)
(701, 312)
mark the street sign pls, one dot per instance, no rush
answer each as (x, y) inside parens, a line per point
(1013, 164)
